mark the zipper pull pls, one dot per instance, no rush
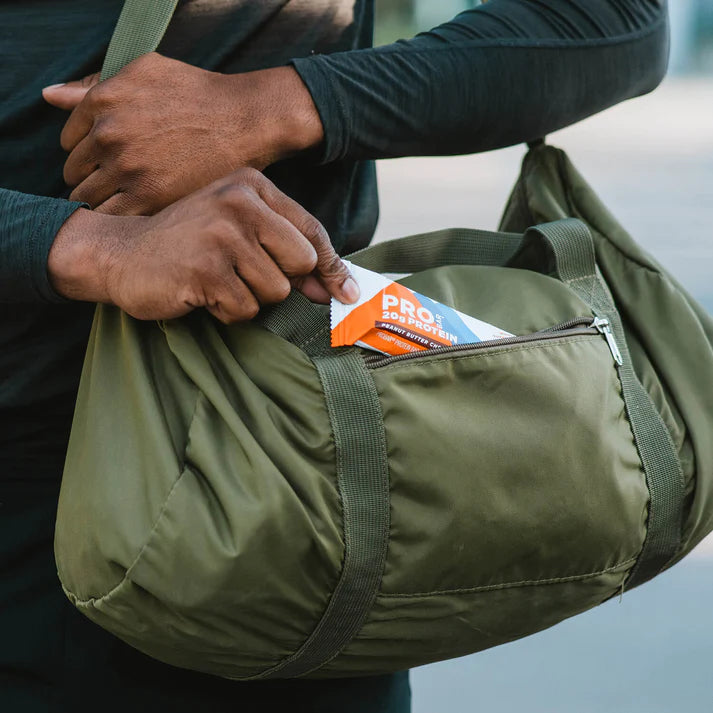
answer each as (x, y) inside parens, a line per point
(603, 327)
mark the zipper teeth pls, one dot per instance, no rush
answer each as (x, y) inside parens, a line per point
(583, 325)
(570, 324)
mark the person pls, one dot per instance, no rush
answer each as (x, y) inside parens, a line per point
(231, 166)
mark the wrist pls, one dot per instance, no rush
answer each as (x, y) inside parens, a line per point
(83, 252)
(286, 119)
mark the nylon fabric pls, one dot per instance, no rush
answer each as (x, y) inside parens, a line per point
(550, 188)
(139, 30)
(419, 492)
(404, 519)
(574, 251)
(574, 262)
(363, 481)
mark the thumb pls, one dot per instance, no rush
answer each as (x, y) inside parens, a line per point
(67, 96)
(312, 289)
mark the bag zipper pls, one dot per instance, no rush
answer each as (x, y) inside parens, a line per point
(603, 327)
(573, 327)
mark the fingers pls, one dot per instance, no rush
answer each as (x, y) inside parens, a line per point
(233, 302)
(330, 269)
(292, 252)
(230, 248)
(95, 191)
(90, 115)
(119, 203)
(265, 279)
(266, 248)
(294, 239)
(81, 163)
(235, 293)
(69, 95)
(78, 125)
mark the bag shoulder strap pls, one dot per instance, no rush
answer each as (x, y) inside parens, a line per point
(140, 28)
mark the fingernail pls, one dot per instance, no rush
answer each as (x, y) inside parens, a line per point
(350, 290)
(54, 86)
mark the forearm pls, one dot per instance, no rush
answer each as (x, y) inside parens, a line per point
(28, 226)
(505, 72)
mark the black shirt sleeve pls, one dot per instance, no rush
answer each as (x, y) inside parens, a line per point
(505, 72)
(28, 226)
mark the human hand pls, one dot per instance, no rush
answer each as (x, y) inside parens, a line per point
(161, 129)
(231, 247)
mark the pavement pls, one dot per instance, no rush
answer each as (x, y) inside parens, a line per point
(651, 161)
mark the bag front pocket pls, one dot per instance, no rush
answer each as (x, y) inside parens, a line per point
(509, 462)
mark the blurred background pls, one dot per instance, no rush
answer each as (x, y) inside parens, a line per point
(651, 161)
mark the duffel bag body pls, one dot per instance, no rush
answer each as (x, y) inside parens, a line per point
(249, 502)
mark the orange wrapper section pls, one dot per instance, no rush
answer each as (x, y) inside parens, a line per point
(391, 319)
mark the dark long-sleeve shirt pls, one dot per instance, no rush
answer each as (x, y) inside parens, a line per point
(505, 72)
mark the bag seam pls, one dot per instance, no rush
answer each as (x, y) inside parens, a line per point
(510, 585)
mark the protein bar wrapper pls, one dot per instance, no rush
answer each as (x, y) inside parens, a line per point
(391, 319)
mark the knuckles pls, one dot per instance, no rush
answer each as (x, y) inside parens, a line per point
(281, 291)
(147, 64)
(100, 96)
(217, 236)
(245, 310)
(105, 135)
(247, 175)
(306, 264)
(250, 310)
(240, 187)
(234, 195)
(333, 268)
(314, 231)
(203, 273)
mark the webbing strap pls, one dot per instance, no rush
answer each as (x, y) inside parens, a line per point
(141, 25)
(299, 321)
(363, 483)
(573, 250)
(455, 246)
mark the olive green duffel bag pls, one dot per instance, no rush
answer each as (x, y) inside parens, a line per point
(249, 502)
